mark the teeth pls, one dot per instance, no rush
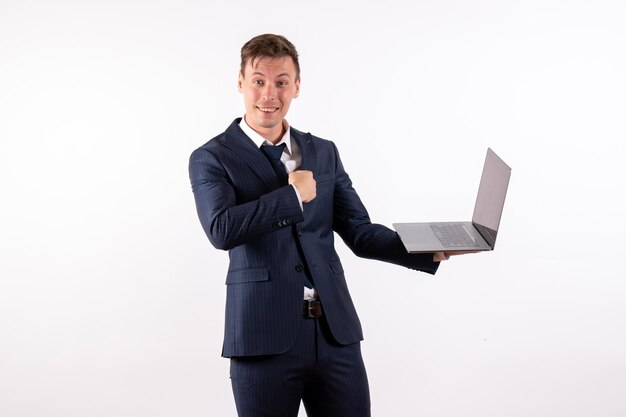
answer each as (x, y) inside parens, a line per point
(268, 109)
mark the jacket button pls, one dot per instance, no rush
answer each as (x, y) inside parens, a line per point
(299, 268)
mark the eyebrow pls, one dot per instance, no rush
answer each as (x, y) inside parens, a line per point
(283, 74)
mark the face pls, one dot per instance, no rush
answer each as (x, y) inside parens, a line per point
(268, 88)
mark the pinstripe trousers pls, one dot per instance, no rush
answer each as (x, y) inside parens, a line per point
(329, 378)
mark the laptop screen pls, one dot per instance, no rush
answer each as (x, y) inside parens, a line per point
(491, 194)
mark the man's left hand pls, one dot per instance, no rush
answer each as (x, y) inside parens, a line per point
(444, 256)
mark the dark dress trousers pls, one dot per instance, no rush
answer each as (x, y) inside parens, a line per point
(272, 243)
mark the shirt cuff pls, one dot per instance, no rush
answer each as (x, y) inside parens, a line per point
(298, 195)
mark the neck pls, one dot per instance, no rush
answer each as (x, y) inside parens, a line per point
(272, 134)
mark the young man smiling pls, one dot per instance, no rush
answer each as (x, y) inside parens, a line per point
(268, 86)
(273, 196)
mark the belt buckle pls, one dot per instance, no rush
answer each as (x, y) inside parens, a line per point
(308, 309)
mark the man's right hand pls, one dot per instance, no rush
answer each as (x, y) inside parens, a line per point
(304, 182)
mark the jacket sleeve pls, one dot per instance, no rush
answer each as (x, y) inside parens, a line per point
(226, 223)
(366, 239)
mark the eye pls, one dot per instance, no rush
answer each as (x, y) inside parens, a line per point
(282, 83)
(257, 82)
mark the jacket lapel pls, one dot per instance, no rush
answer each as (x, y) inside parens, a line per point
(307, 151)
(244, 147)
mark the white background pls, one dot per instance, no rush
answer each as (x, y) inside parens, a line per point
(111, 297)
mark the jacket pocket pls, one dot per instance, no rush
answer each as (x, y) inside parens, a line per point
(336, 267)
(241, 276)
(323, 178)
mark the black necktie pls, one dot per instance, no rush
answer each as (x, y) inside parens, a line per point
(273, 154)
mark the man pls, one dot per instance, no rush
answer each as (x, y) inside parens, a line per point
(273, 196)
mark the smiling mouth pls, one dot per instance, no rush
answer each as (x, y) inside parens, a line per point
(267, 109)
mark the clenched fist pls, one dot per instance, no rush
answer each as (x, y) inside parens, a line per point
(304, 183)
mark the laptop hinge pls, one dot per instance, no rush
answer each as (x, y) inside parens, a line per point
(488, 234)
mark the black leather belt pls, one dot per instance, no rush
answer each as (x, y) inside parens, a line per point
(312, 309)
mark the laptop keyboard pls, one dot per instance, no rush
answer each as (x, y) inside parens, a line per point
(453, 236)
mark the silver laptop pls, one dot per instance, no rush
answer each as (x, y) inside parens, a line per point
(479, 234)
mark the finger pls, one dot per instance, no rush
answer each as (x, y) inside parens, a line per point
(462, 252)
(440, 256)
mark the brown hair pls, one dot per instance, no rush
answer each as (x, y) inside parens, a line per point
(268, 45)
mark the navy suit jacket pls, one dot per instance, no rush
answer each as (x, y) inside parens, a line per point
(272, 242)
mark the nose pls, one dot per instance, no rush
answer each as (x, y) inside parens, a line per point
(269, 92)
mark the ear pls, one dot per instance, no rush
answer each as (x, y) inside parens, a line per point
(240, 83)
(297, 93)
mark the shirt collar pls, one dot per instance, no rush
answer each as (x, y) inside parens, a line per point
(260, 140)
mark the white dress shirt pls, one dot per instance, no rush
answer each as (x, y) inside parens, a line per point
(291, 158)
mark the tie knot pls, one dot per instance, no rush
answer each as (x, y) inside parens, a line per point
(273, 152)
